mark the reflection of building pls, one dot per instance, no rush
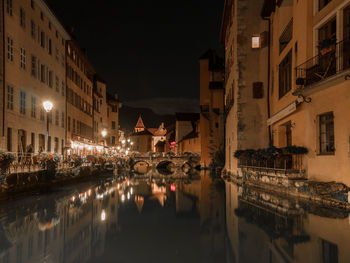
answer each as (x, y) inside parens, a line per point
(283, 230)
(56, 229)
(148, 139)
(212, 105)
(33, 72)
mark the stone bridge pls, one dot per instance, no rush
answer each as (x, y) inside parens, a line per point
(179, 164)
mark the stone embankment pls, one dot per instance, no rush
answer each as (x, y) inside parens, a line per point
(293, 184)
(24, 182)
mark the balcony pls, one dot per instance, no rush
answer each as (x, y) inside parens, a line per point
(333, 60)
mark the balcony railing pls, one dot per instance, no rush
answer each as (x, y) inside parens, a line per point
(332, 60)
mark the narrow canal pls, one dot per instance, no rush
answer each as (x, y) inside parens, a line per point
(199, 219)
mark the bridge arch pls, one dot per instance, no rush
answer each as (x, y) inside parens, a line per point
(141, 167)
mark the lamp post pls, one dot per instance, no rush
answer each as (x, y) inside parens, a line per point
(104, 133)
(48, 107)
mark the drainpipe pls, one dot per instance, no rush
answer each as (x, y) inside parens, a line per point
(3, 68)
(269, 78)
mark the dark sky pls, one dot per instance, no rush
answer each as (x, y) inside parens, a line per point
(146, 50)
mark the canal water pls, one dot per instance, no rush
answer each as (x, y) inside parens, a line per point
(196, 219)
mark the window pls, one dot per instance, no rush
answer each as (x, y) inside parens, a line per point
(9, 7)
(73, 125)
(113, 125)
(34, 63)
(42, 115)
(9, 97)
(23, 58)
(22, 17)
(258, 90)
(285, 75)
(57, 118)
(286, 36)
(68, 123)
(57, 54)
(323, 3)
(22, 102)
(50, 78)
(62, 88)
(42, 39)
(329, 252)
(62, 119)
(326, 131)
(41, 16)
(56, 145)
(9, 139)
(42, 73)
(57, 84)
(50, 46)
(33, 108)
(9, 48)
(32, 141)
(256, 42)
(32, 4)
(32, 29)
(113, 140)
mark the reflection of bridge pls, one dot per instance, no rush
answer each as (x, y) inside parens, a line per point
(177, 162)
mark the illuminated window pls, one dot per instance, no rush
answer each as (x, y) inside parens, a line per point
(256, 42)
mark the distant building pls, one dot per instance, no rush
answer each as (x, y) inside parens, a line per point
(148, 139)
(192, 141)
(212, 93)
(113, 106)
(184, 123)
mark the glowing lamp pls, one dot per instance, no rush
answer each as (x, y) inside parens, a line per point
(104, 133)
(47, 106)
(172, 188)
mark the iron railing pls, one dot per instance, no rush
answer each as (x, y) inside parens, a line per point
(292, 162)
(333, 60)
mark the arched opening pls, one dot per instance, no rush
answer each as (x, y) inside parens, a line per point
(141, 167)
(166, 167)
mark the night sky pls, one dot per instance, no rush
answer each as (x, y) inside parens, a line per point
(147, 51)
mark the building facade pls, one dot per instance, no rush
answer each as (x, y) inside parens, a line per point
(310, 68)
(191, 143)
(184, 124)
(113, 106)
(212, 106)
(80, 81)
(33, 71)
(246, 62)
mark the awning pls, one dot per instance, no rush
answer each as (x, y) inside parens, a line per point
(283, 113)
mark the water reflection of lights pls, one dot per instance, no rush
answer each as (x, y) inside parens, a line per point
(128, 196)
(131, 190)
(103, 215)
(123, 197)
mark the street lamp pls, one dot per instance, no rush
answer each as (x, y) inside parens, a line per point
(48, 107)
(104, 133)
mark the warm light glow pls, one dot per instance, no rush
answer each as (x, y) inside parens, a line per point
(123, 141)
(118, 148)
(128, 196)
(104, 133)
(103, 215)
(48, 105)
(132, 143)
(131, 190)
(173, 188)
(128, 140)
(123, 198)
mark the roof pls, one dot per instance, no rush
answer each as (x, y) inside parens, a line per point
(157, 132)
(182, 116)
(139, 123)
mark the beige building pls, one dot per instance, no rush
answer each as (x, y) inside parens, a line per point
(34, 70)
(80, 80)
(184, 124)
(192, 141)
(244, 34)
(310, 77)
(212, 106)
(113, 105)
(100, 106)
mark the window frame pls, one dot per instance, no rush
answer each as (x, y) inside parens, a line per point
(286, 69)
(329, 133)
